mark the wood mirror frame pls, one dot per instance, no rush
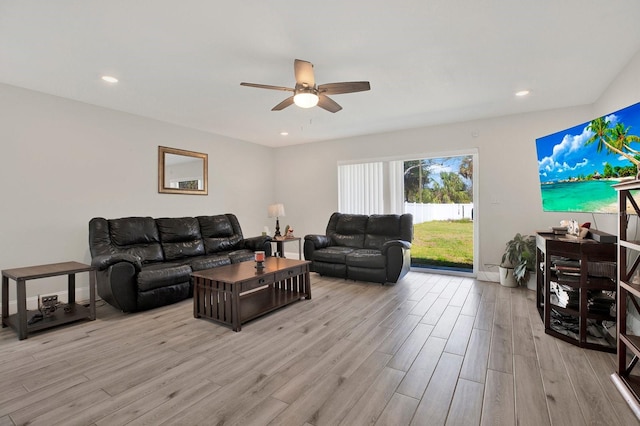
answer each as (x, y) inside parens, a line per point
(182, 172)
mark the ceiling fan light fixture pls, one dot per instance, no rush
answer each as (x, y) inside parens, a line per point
(305, 99)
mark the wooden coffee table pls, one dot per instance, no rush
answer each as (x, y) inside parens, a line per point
(235, 294)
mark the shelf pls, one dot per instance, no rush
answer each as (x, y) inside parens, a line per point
(590, 342)
(631, 288)
(633, 245)
(565, 311)
(632, 342)
(266, 300)
(58, 317)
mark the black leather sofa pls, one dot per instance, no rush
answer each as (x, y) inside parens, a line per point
(374, 248)
(144, 262)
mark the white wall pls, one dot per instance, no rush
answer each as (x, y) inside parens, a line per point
(63, 162)
(509, 199)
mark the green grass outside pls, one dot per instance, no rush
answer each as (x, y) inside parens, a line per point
(443, 244)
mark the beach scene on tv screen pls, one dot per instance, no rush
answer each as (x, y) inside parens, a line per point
(579, 166)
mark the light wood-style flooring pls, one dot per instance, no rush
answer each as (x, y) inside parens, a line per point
(429, 350)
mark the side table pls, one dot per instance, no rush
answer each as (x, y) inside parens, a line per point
(280, 245)
(72, 311)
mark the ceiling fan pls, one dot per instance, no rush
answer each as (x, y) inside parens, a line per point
(306, 94)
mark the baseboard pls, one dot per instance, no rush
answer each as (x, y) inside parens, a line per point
(489, 276)
(292, 255)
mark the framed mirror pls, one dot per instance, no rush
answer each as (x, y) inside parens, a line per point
(182, 172)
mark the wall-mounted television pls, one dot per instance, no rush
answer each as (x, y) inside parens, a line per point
(578, 166)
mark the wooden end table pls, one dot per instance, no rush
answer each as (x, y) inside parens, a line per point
(71, 312)
(237, 293)
(280, 245)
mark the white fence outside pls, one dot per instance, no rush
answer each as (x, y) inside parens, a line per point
(428, 212)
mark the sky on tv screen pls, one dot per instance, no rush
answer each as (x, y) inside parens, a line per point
(571, 173)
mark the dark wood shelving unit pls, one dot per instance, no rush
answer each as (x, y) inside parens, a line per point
(627, 377)
(582, 254)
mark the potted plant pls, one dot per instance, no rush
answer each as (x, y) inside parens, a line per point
(518, 260)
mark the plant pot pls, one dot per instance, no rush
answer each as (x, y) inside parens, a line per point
(506, 277)
(532, 282)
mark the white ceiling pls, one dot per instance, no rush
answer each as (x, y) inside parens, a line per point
(428, 61)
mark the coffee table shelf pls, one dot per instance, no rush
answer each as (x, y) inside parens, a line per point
(235, 294)
(261, 302)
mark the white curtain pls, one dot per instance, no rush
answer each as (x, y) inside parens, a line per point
(361, 188)
(396, 187)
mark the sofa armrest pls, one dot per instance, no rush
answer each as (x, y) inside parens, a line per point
(318, 241)
(313, 242)
(105, 260)
(261, 242)
(117, 285)
(395, 243)
(398, 257)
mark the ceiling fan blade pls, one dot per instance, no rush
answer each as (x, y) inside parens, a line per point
(282, 105)
(346, 87)
(267, 86)
(329, 104)
(304, 73)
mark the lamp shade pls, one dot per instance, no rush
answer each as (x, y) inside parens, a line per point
(276, 210)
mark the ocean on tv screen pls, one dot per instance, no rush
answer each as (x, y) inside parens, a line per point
(579, 166)
(595, 196)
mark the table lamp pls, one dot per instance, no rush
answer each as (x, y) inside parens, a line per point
(276, 210)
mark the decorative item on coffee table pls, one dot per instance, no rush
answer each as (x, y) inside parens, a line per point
(259, 256)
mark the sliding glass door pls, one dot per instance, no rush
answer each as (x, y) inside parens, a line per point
(438, 192)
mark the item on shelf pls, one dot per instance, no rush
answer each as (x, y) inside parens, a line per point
(601, 237)
(602, 269)
(599, 302)
(572, 226)
(568, 322)
(559, 230)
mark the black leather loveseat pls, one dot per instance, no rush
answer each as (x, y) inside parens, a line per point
(144, 262)
(359, 247)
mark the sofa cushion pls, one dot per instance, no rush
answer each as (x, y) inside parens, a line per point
(347, 230)
(241, 256)
(180, 237)
(137, 236)
(380, 229)
(333, 254)
(220, 233)
(152, 278)
(366, 258)
(209, 262)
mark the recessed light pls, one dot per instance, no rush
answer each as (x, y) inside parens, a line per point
(523, 93)
(109, 79)
(284, 133)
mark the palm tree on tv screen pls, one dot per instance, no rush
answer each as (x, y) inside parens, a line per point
(616, 139)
